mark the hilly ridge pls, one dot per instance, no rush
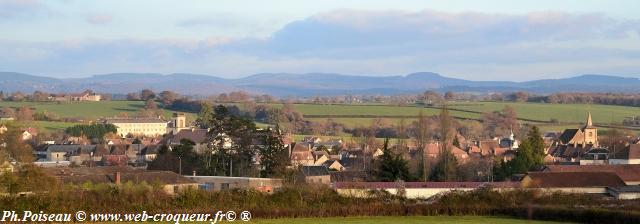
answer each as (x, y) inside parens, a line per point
(310, 84)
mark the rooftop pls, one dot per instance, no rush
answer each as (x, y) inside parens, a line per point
(572, 179)
(626, 172)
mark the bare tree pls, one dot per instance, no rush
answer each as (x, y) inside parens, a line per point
(422, 136)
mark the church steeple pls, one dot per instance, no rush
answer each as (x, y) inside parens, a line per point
(589, 122)
(590, 132)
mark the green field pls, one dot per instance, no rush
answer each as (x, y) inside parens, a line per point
(566, 113)
(570, 115)
(400, 220)
(83, 110)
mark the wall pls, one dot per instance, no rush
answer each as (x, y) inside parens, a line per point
(580, 190)
(215, 182)
(56, 156)
(326, 179)
(624, 161)
(409, 192)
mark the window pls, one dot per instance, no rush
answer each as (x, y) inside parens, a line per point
(224, 186)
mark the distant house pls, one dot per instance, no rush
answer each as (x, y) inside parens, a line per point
(76, 154)
(315, 175)
(628, 155)
(573, 182)
(149, 153)
(302, 155)
(595, 156)
(117, 156)
(29, 133)
(432, 151)
(87, 95)
(333, 165)
(197, 136)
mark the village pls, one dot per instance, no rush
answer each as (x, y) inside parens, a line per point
(573, 161)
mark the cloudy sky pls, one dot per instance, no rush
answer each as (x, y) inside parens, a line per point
(478, 40)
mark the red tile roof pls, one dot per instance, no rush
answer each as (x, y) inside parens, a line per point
(628, 173)
(572, 179)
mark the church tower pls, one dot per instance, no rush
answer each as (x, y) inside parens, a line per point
(179, 120)
(590, 133)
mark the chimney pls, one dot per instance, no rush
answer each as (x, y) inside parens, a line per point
(117, 178)
(194, 173)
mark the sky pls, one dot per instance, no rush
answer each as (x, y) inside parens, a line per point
(476, 40)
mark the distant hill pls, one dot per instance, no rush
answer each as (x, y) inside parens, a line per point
(310, 84)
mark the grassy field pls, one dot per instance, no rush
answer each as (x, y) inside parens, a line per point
(85, 110)
(359, 115)
(562, 112)
(336, 110)
(570, 115)
(567, 113)
(402, 220)
(90, 110)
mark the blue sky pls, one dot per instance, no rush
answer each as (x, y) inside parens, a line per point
(478, 40)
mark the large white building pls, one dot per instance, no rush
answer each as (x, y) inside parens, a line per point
(136, 126)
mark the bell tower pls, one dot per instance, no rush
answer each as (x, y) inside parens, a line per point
(590, 133)
(179, 121)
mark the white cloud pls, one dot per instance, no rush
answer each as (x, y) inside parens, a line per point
(467, 45)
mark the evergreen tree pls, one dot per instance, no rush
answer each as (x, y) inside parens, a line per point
(530, 155)
(273, 154)
(537, 146)
(392, 167)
